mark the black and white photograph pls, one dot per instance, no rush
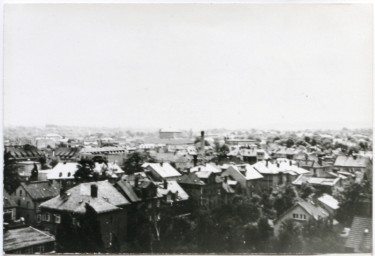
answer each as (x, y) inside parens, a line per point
(207, 127)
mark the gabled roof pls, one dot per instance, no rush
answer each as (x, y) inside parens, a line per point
(208, 167)
(360, 236)
(63, 171)
(247, 171)
(112, 168)
(315, 181)
(15, 239)
(190, 178)
(165, 170)
(313, 210)
(350, 161)
(128, 190)
(173, 187)
(108, 199)
(41, 190)
(329, 201)
(8, 201)
(203, 174)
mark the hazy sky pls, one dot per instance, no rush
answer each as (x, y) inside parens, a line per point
(188, 66)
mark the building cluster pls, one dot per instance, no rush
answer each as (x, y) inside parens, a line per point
(185, 174)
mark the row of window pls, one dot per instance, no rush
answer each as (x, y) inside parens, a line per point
(299, 216)
(47, 217)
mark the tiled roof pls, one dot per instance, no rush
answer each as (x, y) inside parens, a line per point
(15, 239)
(67, 153)
(360, 236)
(22, 152)
(127, 188)
(108, 199)
(350, 161)
(41, 190)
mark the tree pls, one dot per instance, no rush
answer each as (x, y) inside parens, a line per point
(289, 143)
(290, 237)
(133, 163)
(306, 190)
(11, 177)
(85, 172)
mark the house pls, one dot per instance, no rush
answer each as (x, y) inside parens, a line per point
(63, 172)
(145, 202)
(112, 154)
(302, 212)
(160, 171)
(112, 170)
(355, 164)
(23, 153)
(174, 197)
(360, 236)
(317, 167)
(99, 202)
(170, 134)
(246, 175)
(329, 203)
(326, 185)
(9, 208)
(27, 240)
(28, 197)
(209, 167)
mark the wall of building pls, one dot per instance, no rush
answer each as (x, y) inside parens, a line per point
(297, 210)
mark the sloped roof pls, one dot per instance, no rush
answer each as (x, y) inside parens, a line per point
(15, 239)
(127, 188)
(203, 174)
(165, 170)
(8, 201)
(358, 239)
(330, 201)
(190, 178)
(108, 199)
(41, 190)
(63, 171)
(208, 167)
(350, 161)
(172, 187)
(315, 181)
(113, 168)
(315, 211)
(248, 171)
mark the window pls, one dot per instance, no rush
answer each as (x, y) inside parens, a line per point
(46, 217)
(29, 250)
(27, 204)
(57, 218)
(40, 249)
(38, 218)
(299, 216)
(20, 192)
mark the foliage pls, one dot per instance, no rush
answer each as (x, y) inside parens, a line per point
(11, 177)
(306, 190)
(134, 161)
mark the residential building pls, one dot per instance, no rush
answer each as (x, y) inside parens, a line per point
(326, 185)
(27, 240)
(329, 203)
(160, 171)
(28, 197)
(101, 201)
(302, 212)
(9, 208)
(361, 166)
(246, 175)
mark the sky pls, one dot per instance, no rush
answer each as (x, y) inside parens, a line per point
(198, 66)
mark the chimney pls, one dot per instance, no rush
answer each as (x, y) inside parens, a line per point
(165, 184)
(267, 162)
(94, 190)
(62, 189)
(195, 160)
(136, 181)
(202, 142)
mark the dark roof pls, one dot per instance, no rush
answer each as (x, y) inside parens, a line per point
(67, 153)
(358, 239)
(128, 190)
(8, 201)
(15, 239)
(191, 179)
(41, 190)
(75, 199)
(22, 152)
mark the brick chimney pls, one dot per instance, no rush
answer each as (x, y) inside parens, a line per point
(202, 142)
(94, 190)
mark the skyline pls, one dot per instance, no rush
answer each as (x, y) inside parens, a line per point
(196, 66)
